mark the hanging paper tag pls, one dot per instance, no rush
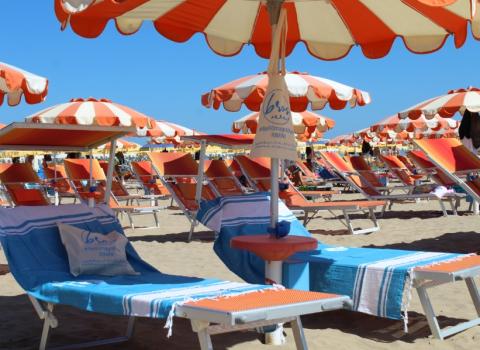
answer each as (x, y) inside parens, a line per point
(275, 137)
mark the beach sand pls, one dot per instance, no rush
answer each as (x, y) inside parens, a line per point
(413, 226)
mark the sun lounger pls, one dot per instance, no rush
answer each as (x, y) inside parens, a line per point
(363, 186)
(375, 279)
(222, 179)
(179, 172)
(146, 175)
(402, 173)
(39, 263)
(22, 185)
(79, 174)
(456, 161)
(257, 171)
(56, 176)
(422, 162)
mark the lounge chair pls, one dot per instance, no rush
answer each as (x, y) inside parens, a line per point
(257, 171)
(56, 176)
(456, 161)
(222, 179)
(146, 175)
(22, 185)
(423, 163)
(363, 186)
(401, 172)
(178, 173)
(363, 168)
(79, 175)
(39, 263)
(375, 279)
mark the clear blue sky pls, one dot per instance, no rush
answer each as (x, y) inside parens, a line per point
(165, 79)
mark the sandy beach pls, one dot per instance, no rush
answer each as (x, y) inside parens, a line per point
(408, 226)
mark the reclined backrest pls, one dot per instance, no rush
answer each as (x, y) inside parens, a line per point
(179, 171)
(55, 173)
(399, 169)
(410, 166)
(14, 177)
(221, 177)
(363, 168)
(438, 175)
(305, 169)
(147, 175)
(347, 171)
(450, 154)
(234, 168)
(257, 171)
(35, 252)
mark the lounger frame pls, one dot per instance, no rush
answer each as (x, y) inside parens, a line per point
(207, 322)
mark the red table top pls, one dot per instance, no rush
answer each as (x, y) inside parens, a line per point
(272, 249)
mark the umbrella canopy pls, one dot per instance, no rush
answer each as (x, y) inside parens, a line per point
(122, 145)
(93, 112)
(167, 132)
(15, 82)
(446, 105)
(305, 124)
(329, 29)
(303, 90)
(345, 140)
(396, 124)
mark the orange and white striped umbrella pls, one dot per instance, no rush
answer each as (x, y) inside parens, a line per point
(329, 29)
(304, 90)
(93, 112)
(396, 124)
(445, 105)
(15, 83)
(305, 124)
(342, 140)
(122, 145)
(168, 132)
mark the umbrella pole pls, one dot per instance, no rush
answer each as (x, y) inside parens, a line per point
(201, 167)
(111, 164)
(274, 192)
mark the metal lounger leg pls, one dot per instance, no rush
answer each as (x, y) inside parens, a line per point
(453, 205)
(130, 219)
(442, 205)
(298, 334)
(474, 294)
(429, 312)
(155, 216)
(201, 328)
(348, 222)
(192, 228)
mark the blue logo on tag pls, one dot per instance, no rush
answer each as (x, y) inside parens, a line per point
(276, 108)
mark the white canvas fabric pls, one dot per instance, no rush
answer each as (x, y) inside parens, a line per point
(92, 253)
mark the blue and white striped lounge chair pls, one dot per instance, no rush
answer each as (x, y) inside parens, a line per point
(375, 279)
(39, 263)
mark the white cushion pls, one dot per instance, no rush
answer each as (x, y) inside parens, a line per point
(92, 253)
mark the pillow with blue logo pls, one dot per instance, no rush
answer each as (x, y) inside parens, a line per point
(92, 253)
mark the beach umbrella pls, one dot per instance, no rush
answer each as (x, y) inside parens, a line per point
(446, 105)
(304, 90)
(396, 124)
(15, 83)
(93, 111)
(122, 145)
(329, 29)
(305, 124)
(345, 140)
(168, 132)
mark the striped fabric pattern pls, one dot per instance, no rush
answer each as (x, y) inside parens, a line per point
(15, 83)
(446, 105)
(305, 124)
(123, 145)
(168, 132)
(422, 124)
(304, 90)
(329, 29)
(92, 111)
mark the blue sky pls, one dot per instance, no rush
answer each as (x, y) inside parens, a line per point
(165, 79)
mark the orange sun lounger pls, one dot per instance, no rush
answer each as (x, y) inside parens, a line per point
(456, 161)
(257, 171)
(362, 185)
(179, 172)
(14, 179)
(222, 179)
(79, 174)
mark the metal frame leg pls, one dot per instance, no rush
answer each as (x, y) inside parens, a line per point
(474, 294)
(444, 210)
(155, 216)
(201, 328)
(429, 312)
(192, 228)
(298, 334)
